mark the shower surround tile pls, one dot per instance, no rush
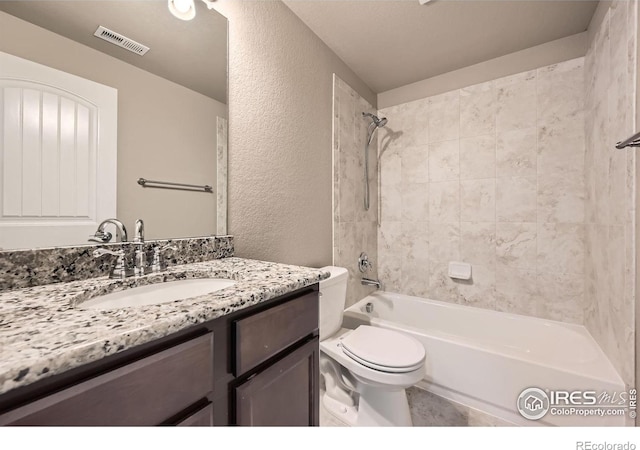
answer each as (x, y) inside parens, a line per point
(355, 229)
(478, 157)
(609, 185)
(501, 186)
(561, 248)
(444, 241)
(516, 153)
(444, 117)
(414, 165)
(479, 291)
(561, 297)
(516, 102)
(478, 200)
(560, 90)
(444, 158)
(415, 206)
(444, 202)
(478, 243)
(516, 244)
(516, 199)
(477, 110)
(415, 116)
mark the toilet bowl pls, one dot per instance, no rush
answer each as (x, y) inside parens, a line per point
(366, 370)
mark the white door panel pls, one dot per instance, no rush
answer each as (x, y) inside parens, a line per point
(58, 155)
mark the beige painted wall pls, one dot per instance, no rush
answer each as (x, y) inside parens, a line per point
(529, 59)
(280, 116)
(165, 131)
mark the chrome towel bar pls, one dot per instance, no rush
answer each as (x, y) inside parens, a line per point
(169, 185)
(633, 141)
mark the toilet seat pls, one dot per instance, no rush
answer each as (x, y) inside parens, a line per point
(383, 349)
(332, 347)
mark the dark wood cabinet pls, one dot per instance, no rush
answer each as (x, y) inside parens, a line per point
(145, 392)
(284, 393)
(257, 366)
(201, 418)
(261, 336)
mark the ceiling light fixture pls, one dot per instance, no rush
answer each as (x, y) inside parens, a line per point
(424, 2)
(186, 9)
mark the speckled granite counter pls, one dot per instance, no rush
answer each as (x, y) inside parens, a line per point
(44, 330)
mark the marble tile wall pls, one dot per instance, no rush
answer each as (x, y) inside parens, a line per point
(610, 179)
(354, 228)
(491, 174)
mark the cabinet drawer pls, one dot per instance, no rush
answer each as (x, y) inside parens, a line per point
(263, 335)
(144, 392)
(201, 418)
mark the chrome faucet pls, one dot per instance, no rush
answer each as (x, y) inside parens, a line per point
(104, 236)
(119, 270)
(370, 282)
(141, 267)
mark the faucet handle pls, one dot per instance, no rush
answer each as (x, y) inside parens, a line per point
(119, 270)
(159, 264)
(103, 251)
(364, 263)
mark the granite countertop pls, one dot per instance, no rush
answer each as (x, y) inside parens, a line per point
(44, 330)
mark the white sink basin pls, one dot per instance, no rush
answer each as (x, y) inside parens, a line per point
(155, 294)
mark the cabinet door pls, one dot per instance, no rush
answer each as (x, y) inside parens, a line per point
(284, 394)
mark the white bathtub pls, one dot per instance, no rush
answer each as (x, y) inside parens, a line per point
(484, 359)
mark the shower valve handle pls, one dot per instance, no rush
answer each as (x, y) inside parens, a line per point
(363, 263)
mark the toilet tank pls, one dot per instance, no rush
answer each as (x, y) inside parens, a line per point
(333, 292)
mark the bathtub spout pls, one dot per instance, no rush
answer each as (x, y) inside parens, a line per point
(370, 282)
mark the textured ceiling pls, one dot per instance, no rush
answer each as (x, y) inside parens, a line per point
(389, 44)
(193, 53)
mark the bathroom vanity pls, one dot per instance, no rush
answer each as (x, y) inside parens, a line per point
(245, 355)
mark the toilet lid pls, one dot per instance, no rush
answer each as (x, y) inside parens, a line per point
(383, 349)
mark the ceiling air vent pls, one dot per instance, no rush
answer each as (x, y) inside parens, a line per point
(121, 41)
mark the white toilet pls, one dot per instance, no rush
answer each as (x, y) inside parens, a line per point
(366, 370)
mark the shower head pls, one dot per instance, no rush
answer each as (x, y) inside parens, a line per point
(379, 123)
(374, 125)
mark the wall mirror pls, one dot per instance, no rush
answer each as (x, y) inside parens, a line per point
(171, 121)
